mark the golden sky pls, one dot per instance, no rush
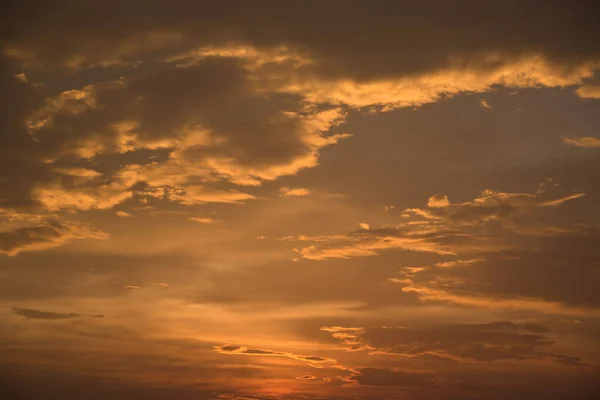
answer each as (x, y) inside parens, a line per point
(262, 200)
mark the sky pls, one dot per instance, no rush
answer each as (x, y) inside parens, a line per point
(298, 200)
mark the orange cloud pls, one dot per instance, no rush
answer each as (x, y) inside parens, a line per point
(446, 228)
(293, 192)
(485, 104)
(203, 220)
(587, 141)
(589, 92)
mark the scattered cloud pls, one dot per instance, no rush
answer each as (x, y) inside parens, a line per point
(189, 113)
(447, 228)
(438, 200)
(458, 263)
(485, 104)
(293, 192)
(21, 77)
(589, 92)
(587, 141)
(203, 220)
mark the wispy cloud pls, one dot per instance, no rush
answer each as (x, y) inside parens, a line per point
(587, 141)
(30, 313)
(293, 192)
(485, 104)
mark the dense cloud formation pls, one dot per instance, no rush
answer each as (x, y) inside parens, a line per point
(350, 189)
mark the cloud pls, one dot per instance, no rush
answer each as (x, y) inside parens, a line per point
(293, 192)
(495, 206)
(589, 92)
(22, 77)
(431, 86)
(306, 377)
(511, 280)
(203, 220)
(87, 194)
(488, 342)
(166, 31)
(429, 292)
(49, 315)
(123, 214)
(79, 172)
(392, 378)
(485, 104)
(313, 361)
(587, 141)
(51, 234)
(351, 337)
(439, 200)
(199, 94)
(190, 195)
(449, 228)
(202, 116)
(458, 263)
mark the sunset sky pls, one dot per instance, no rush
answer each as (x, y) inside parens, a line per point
(300, 200)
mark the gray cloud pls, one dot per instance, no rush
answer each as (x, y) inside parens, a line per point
(30, 313)
(51, 234)
(489, 342)
(386, 377)
(157, 27)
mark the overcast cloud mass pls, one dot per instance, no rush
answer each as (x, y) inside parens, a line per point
(260, 200)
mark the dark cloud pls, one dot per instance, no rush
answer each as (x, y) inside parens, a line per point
(358, 35)
(49, 235)
(306, 377)
(30, 313)
(489, 342)
(21, 163)
(386, 377)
